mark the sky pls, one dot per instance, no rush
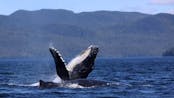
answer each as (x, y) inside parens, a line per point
(145, 6)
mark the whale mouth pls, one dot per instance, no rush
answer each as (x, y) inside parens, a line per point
(94, 50)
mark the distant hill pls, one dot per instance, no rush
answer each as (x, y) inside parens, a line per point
(169, 52)
(118, 34)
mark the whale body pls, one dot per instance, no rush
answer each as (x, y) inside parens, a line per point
(77, 82)
(76, 71)
(77, 68)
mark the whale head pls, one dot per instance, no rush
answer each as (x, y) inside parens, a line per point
(83, 64)
(93, 51)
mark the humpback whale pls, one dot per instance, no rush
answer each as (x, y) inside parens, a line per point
(76, 71)
(77, 68)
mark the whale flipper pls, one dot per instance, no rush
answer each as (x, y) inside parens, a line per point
(62, 72)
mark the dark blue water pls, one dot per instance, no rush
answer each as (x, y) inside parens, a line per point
(135, 78)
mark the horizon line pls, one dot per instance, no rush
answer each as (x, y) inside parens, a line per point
(77, 12)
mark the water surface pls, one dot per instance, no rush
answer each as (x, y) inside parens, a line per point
(135, 78)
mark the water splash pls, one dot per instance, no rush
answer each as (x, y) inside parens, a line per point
(56, 80)
(51, 45)
(34, 84)
(74, 85)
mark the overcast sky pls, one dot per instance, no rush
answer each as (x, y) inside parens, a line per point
(146, 6)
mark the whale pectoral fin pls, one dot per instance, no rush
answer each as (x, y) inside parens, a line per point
(62, 72)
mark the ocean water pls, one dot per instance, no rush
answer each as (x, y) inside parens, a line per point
(134, 78)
